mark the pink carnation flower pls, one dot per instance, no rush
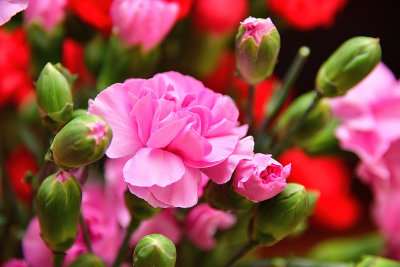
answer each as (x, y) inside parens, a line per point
(8, 8)
(202, 222)
(47, 12)
(171, 129)
(260, 178)
(144, 22)
(103, 228)
(164, 223)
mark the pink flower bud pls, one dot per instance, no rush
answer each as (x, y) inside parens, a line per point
(46, 12)
(260, 178)
(256, 28)
(143, 22)
(202, 223)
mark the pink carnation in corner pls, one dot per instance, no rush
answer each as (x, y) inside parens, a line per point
(257, 28)
(260, 178)
(15, 263)
(202, 222)
(46, 12)
(171, 129)
(8, 8)
(144, 22)
(103, 228)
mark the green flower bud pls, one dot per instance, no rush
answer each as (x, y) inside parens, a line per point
(348, 65)
(79, 112)
(279, 216)
(224, 197)
(82, 141)
(154, 250)
(87, 260)
(58, 204)
(139, 208)
(316, 120)
(54, 97)
(375, 261)
(257, 48)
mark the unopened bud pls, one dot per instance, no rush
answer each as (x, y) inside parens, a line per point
(224, 197)
(315, 121)
(257, 48)
(139, 208)
(87, 260)
(278, 217)
(82, 141)
(154, 250)
(54, 97)
(58, 204)
(348, 65)
(375, 261)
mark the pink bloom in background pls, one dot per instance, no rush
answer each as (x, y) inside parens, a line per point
(164, 223)
(103, 228)
(260, 178)
(171, 129)
(219, 17)
(8, 8)
(47, 12)
(143, 22)
(15, 263)
(257, 28)
(202, 222)
(370, 116)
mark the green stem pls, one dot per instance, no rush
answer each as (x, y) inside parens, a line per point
(133, 225)
(85, 233)
(58, 258)
(250, 102)
(241, 252)
(281, 146)
(282, 93)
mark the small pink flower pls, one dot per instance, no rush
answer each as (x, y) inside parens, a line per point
(144, 22)
(15, 263)
(170, 129)
(202, 223)
(260, 178)
(257, 28)
(8, 8)
(103, 228)
(163, 223)
(47, 12)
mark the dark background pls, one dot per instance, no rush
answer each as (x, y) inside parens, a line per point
(374, 18)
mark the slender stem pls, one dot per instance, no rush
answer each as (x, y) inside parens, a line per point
(58, 258)
(278, 149)
(125, 243)
(282, 93)
(241, 252)
(250, 102)
(85, 233)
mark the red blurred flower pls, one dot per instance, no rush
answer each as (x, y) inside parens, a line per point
(184, 7)
(336, 208)
(17, 163)
(307, 14)
(73, 59)
(93, 12)
(219, 17)
(15, 81)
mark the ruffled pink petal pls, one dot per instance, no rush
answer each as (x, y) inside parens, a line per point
(181, 194)
(150, 167)
(114, 106)
(8, 8)
(162, 137)
(144, 193)
(221, 173)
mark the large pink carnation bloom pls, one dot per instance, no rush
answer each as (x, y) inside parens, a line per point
(144, 22)
(173, 131)
(104, 232)
(8, 8)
